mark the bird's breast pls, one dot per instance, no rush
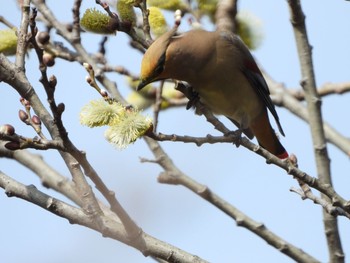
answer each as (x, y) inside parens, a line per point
(231, 96)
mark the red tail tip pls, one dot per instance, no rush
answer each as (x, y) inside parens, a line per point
(284, 155)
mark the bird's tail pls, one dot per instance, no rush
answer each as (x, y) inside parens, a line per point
(267, 137)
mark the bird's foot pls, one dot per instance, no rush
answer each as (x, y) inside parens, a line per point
(188, 91)
(192, 100)
(237, 135)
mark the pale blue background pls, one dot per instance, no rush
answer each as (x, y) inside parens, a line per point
(173, 213)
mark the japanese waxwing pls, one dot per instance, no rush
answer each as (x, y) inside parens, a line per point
(218, 66)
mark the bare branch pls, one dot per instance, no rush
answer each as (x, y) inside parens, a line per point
(332, 210)
(196, 140)
(226, 15)
(32, 194)
(281, 97)
(112, 229)
(287, 165)
(62, 30)
(22, 35)
(173, 175)
(324, 90)
(308, 83)
(6, 22)
(76, 20)
(146, 27)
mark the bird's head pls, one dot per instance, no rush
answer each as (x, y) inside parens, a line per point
(154, 60)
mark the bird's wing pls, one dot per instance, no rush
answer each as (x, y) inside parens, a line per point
(257, 81)
(254, 75)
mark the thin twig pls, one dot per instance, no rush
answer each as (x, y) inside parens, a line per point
(332, 210)
(325, 90)
(146, 27)
(121, 70)
(133, 229)
(157, 105)
(6, 22)
(76, 21)
(230, 138)
(85, 56)
(22, 42)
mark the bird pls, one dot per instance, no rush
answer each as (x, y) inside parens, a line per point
(221, 69)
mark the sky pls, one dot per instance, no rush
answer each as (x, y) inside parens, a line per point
(173, 213)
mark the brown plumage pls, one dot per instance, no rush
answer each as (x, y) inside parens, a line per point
(221, 69)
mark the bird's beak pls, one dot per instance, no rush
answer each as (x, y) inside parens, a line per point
(142, 84)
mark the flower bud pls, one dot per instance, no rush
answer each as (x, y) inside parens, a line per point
(36, 120)
(23, 115)
(126, 11)
(171, 5)
(48, 59)
(88, 80)
(24, 102)
(61, 107)
(157, 21)
(69, 27)
(12, 146)
(42, 37)
(97, 22)
(53, 81)
(87, 66)
(8, 42)
(104, 93)
(7, 129)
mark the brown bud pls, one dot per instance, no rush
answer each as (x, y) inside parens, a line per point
(48, 59)
(87, 66)
(23, 115)
(42, 37)
(36, 120)
(104, 93)
(88, 80)
(60, 108)
(69, 27)
(12, 146)
(53, 81)
(24, 102)
(7, 129)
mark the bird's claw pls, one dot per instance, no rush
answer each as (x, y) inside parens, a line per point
(192, 100)
(237, 134)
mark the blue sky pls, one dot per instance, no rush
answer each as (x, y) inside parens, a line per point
(173, 213)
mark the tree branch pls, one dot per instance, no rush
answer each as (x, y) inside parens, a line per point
(173, 175)
(22, 41)
(70, 37)
(112, 229)
(308, 83)
(281, 97)
(325, 90)
(225, 15)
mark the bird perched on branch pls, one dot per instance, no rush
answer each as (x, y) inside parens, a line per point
(220, 68)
